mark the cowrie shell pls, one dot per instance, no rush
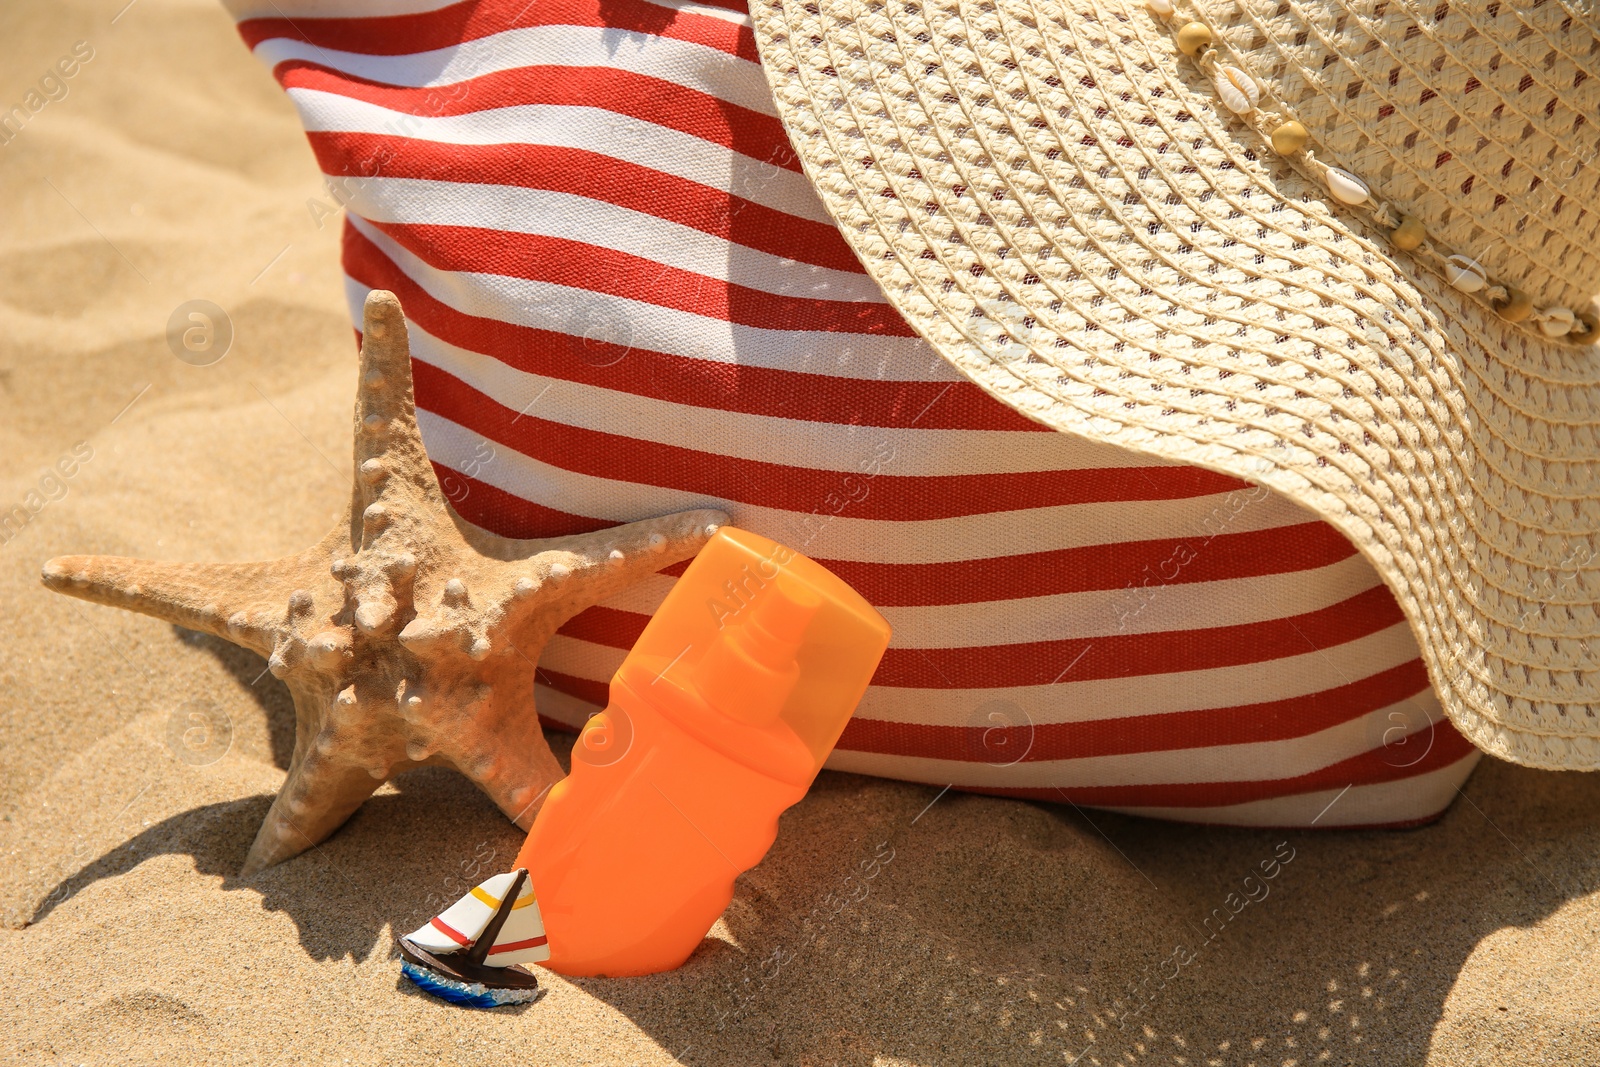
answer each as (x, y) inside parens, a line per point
(1160, 7)
(1346, 187)
(1239, 91)
(1557, 322)
(1465, 274)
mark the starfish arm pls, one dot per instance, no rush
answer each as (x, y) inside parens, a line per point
(392, 466)
(326, 783)
(528, 599)
(610, 560)
(339, 788)
(239, 602)
(520, 786)
(500, 746)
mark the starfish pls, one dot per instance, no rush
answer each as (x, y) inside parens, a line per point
(407, 636)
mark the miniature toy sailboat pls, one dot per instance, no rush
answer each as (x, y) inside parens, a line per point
(469, 953)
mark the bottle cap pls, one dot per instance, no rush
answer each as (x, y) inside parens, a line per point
(752, 667)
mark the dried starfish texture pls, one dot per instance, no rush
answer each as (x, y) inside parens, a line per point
(407, 636)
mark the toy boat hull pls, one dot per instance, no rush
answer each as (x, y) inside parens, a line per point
(459, 967)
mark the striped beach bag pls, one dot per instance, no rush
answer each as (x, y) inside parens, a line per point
(625, 300)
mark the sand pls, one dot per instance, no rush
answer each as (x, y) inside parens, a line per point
(990, 931)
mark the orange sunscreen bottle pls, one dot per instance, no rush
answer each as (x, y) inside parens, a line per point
(719, 719)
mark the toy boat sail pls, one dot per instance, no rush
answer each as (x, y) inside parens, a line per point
(482, 937)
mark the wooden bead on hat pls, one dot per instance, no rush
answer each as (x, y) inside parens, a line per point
(1517, 305)
(1194, 38)
(1289, 138)
(1409, 235)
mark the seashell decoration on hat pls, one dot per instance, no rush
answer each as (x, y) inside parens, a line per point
(1472, 118)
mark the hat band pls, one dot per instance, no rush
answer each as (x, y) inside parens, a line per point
(1241, 94)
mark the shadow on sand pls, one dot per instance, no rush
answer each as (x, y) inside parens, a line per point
(891, 922)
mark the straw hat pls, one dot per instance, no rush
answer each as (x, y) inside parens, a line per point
(1068, 207)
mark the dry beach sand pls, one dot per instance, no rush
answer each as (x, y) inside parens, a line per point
(136, 759)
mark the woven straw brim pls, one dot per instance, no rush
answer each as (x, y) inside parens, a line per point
(1051, 197)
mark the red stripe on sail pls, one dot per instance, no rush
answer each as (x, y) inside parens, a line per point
(622, 92)
(592, 175)
(395, 35)
(789, 394)
(800, 489)
(1015, 738)
(514, 946)
(1374, 767)
(448, 931)
(559, 261)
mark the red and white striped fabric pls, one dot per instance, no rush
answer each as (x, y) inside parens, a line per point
(625, 300)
